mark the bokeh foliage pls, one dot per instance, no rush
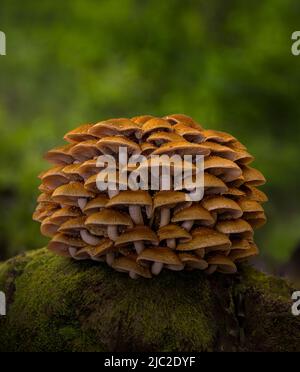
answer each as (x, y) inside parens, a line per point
(226, 63)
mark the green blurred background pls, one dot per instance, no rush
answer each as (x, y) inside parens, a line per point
(226, 63)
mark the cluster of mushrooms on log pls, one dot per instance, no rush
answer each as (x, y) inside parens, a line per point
(143, 232)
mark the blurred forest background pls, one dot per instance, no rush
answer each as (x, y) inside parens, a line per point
(226, 63)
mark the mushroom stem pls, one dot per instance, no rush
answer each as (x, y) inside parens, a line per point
(133, 275)
(112, 193)
(110, 257)
(157, 268)
(139, 246)
(135, 212)
(187, 225)
(112, 232)
(165, 217)
(89, 238)
(82, 202)
(171, 243)
(73, 252)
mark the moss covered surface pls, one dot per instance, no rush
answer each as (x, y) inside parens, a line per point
(55, 304)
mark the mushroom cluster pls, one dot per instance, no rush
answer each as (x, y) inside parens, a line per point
(143, 232)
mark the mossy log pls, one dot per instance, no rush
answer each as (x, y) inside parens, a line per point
(56, 304)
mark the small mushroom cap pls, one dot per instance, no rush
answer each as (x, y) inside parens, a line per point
(43, 211)
(255, 219)
(72, 172)
(139, 198)
(253, 177)
(203, 238)
(234, 192)
(63, 214)
(79, 134)
(194, 213)
(85, 150)
(189, 133)
(164, 137)
(60, 244)
(88, 168)
(138, 233)
(213, 184)
(48, 228)
(60, 155)
(168, 199)
(105, 246)
(254, 193)
(224, 168)
(109, 217)
(44, 198)
(156, 125)
(220, 150)
(161, 255)
(238, 226)
(70, 193)
(184, 119)
(193, 261)
(220, 204)
(74, 225)
(147, 149)
(173, 232)
(244, 254)
(250, 206)
(99, 202)
(225, 264)
(115, 127)
(181, 148)
(142, 119)
(240, 244)
(217, 136)
(127, 264)
(54, 178)
(111, 145)
(243, 157)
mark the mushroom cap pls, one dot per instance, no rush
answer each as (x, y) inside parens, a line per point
(224, 168)
(213, 184)
(218, 136)
(88, 168)
(220, 204)
(73, 225)
(63, 214)
(155, 125)
(225, 264)
(204, 238)
(240, 244)
(147, 149)
(85, 150)
(193, 261)
(136, 234)
(250, 206)
(99, 202)
(70, 193)
(79, 134)
(139, 198)
(109, 217)
(243, 157)
(115, 127)
(72, 172)
(194, 213)
(253, 177)
(161, 255)
(254, 193)
(238, 226)
(184, 119)
(255, 219)
(181, 148)
(60, 155)
(168, 199)
(127, 264)
(111, 145)
(234, 192)
(105, 246)
(244, 254)
(43, 211)
(142, 119)
(44, 198)
(189, 133)
(173, 232)
(220, 150)
(164, 137)
(48, 228)
(60, 244)
(54, 178)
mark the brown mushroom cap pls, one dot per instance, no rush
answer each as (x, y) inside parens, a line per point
(223, 168)
(181, 148)
(234, 193)
(222, 151)
(48, 228)
(142, 119)
(73, 225)
(161, 255)
(243, 157)
(155, 125)
(115, 127)
(72, 172)
(109, 217)
(168, 199)
(96, 204)
(140, 198)
(194, 213)
(254, 193)
(60, 155)
(222, 205)
(54, 178)
(255, 219)
(125, 264)
(238, 226)
(206, 238)
(159, 138)
(253, 177)
(184, 119)
(190, 134)
(244, 254)
(104, 247)
(147, 148)
(70, 193)
(173, 232)
(79, 134)
(213, 185)
(111, 145)
(85, 150)
(217, 136)
(62, 215)
(250, 206)
(61, 243)
(240, 244)
(192, 261)
(224, 264)
(138, 233)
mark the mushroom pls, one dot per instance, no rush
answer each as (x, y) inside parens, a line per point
(240, 254)
(141, 119)
(73, 194)
(194, 214)
(226, 169)
(213, 185)
(190, 134)
(225, 208)
(147, 149)
(104, 251)
(48, 228)
(138, 236)
(155, 125)
(60, 155)
(43, 211)
(79, 134)
(85, 150)
(159, 258)
(218, 136)
(112, 145)
(127, 264)
(110, 219)
(62, 215)
(205, 240)
(192, 261)
(184, 119)
(161, 138)
(253, 193)
(181, 148)
(222, 264)
(72, 172)
(65, 245)
(134, 200)
(96, 205)
(115, 127)
(222, 151)
(239, 227)
(234, 193)
(54, 178)
(252, 176)
(171, 233)
(88, 168)
(165, 201)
